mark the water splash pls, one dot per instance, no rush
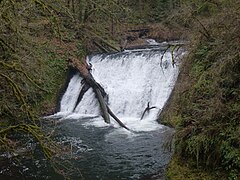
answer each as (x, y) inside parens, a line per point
(132, 79)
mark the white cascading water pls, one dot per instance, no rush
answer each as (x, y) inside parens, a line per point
(131, 80)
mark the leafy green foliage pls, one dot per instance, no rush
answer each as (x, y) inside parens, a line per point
(207, 97)
(26, 74)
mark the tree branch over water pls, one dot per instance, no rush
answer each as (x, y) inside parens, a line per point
(83, 68)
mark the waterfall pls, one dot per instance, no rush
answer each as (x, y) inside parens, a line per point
(132, 79)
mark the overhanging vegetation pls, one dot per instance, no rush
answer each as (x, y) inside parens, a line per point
(205, 105)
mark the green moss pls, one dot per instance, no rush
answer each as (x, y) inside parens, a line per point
(204, 108)
(53, 70)
(179, 169)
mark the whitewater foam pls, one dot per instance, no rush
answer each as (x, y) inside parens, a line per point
(132, 80)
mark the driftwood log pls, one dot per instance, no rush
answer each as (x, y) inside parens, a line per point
(147, 109)
(84, 69)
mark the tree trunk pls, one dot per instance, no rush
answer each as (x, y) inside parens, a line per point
(84, 70)
(116, 118)
(103, 106)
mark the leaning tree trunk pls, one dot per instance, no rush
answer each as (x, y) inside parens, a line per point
(103, 106)
(84, 70)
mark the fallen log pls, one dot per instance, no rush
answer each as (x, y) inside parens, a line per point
(103, 106)
(147, 109)
(99, 46)
(116, 118)
(84, 70)
(82, 92)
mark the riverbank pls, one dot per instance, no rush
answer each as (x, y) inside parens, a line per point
(204, 107)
